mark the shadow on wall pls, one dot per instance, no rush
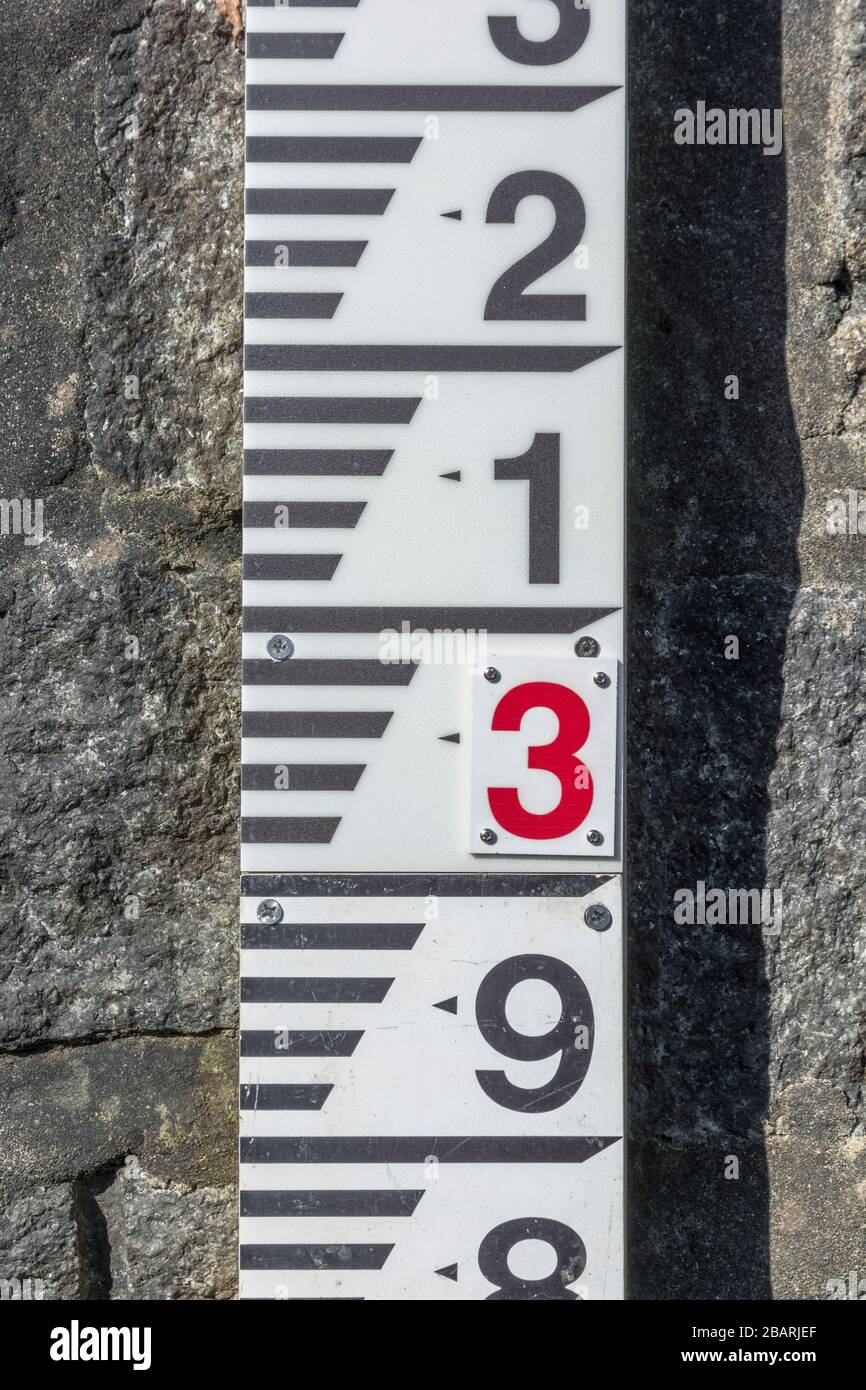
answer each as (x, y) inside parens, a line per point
(715, 505)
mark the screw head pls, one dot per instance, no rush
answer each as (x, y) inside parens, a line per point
(269, 912)
(281, 647)
(598, 917)
(601, 679)
(492, 675)
(586, 646)
(489, 837)
(595, 837)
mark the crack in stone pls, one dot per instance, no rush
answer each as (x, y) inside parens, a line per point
(28, 1049)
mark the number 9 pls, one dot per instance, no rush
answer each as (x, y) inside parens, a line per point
(572, 1036)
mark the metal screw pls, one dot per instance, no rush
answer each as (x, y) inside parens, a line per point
(595, 837)
(489, 837)
(601, 679)
(269, 912)
(586, 646)
(598, 917)
(492, 675)
(281, 647)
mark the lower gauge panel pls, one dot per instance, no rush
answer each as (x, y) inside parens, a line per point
(431, 1087)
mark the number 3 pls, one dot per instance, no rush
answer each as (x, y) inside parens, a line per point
(556, 757)
(569, 37)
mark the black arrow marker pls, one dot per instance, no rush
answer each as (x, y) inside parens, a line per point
(448, 1006)
(449, 1272)
(453, 477)
(449, 738)
(454, 216)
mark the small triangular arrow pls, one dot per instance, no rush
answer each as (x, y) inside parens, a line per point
(455, 216)
(449, 1272)
(448, 1006)
(454, 477)
(449, 738)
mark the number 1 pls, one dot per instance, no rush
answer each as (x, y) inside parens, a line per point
(539, 466)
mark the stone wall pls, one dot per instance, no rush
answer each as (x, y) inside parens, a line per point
(747, 773)
(121, 218)
(120, 251)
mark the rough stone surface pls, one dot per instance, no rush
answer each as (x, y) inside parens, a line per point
(154, 1240)
(138, 887)
(39, 1244)
(120, 236)
(68, 1111)
(120, 227)
(162, 333)
(747, 773)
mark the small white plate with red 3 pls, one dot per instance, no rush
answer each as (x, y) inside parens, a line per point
(544, 757)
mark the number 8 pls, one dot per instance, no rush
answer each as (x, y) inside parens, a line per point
(495, 1248)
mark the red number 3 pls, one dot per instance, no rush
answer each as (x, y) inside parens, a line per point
(556, 757)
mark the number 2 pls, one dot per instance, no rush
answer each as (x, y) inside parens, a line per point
(507, 300)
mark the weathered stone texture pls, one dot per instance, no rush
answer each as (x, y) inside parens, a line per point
(72, 1111)
(39, 1243)
(124, 922)
(120, 229)
(166, 1241)
(747, 773)
(163, 294)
